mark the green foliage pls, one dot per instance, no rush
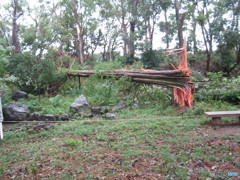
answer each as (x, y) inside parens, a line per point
(220, 89)
(58, 59)
(99, 91)
(33, 75)
(129, 60)
(150, 59)
(4, 59)
(53, 105)
(228, 50)
(154, 95)
(1, 171)
(108, 65)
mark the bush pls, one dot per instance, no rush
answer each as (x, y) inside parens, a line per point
(220, 89)
(4, 59)
(108, 65)
(150, 59)
(129, 60)
(33, 75)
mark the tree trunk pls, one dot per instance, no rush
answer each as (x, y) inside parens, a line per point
(237, 60)
(15, 26)
(207, 49)
(195, 49)
(180, 20)
(166, 28)
(131, 46)
(123, 28)
(151, 32)
(79, 28)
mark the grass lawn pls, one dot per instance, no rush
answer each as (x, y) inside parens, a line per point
(177, 148)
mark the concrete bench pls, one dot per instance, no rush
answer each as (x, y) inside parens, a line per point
(217, 115)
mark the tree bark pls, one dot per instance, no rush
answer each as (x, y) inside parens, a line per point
(180, 20)
(15, 26)
(207, 49)
(131, 45)
(166, 29)
(79, 28)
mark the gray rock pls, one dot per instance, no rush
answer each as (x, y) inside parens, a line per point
(135, 105)
(100, 109)
(48, 126)
(119, 107)
(47, 117)
(35, 116)
(19, 95)
(15, 111)
(64, 117)
(2, 93)
(110, 116)
(81, 107)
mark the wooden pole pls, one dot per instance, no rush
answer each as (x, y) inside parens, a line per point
(1, 120)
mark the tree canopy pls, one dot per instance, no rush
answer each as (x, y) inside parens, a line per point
(101, 30)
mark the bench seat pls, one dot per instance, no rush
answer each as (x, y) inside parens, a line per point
(217, 115)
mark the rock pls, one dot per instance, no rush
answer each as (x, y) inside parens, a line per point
(64, 117)
(100, 109)
(19, 95)
(119, 107)
(81, 107)
(47, 117)
(2, 93)
(15, 111)
(135, 105)
(35, 116)
(49, 126)
(110, 116)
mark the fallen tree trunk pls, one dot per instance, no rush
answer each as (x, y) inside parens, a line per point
(170, 78)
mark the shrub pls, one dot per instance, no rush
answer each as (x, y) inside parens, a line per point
(4, 59)
(129, 60)
(220, 89)
(108, 65)
(33, 75)
(150, 59)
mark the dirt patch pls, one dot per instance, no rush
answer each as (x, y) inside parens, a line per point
(221, 130)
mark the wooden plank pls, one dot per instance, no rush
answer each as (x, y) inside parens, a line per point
(1, 120)
(222, 113)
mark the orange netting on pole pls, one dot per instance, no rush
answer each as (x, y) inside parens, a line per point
(183, 96)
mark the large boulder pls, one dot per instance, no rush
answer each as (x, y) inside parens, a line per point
(81, 107)
(19, 95)
(15, 111)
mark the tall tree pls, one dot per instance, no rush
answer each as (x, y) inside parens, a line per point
(227, 33)
(166, 25)
(204, 19)
(80, 32)
(16, 7)
(149, 11)
(133, 21)
(193, 37)
(180, 17)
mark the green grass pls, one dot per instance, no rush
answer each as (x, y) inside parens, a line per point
(161, 146)
(155, 140)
